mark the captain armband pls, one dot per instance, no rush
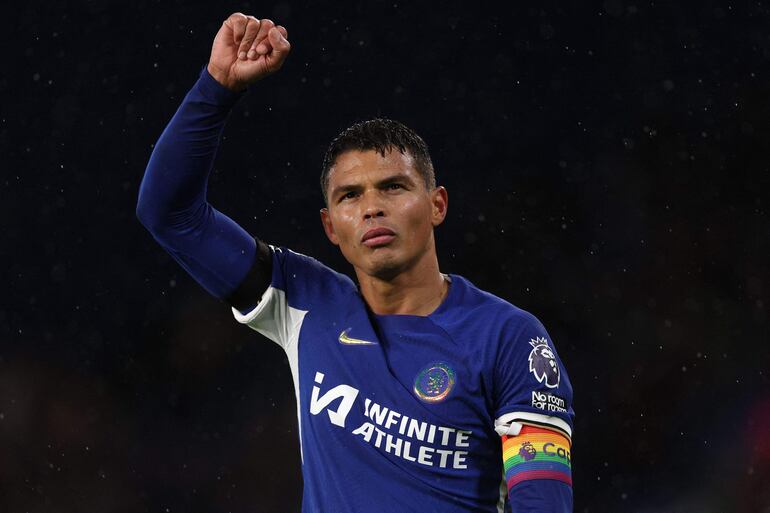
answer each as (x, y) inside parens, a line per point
(536, 453)
(249, 292)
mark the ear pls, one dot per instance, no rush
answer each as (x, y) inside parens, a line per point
(440, 202)
(326, 221)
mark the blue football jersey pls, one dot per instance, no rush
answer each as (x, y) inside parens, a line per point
(404, 413)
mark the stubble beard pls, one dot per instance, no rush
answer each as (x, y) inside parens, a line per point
(389, 266)
(385, 268)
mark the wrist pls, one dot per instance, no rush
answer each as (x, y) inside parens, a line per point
(214, 91)
(221, 78)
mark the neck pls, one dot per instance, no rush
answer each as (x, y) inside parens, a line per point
(415, 291)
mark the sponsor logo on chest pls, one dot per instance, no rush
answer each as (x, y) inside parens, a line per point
(396, 433)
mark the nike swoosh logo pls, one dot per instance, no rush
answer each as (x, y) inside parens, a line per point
(345, 339)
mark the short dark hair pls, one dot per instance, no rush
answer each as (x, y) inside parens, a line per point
(382, 135)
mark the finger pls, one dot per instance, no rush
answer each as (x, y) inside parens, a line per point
(252, 27)
(237, 23)
(261, 45)
(280, 46)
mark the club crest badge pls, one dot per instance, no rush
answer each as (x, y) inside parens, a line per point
(434, 382)
(542, 363)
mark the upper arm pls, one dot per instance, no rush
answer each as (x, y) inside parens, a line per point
(256, 281)
(531, 385)
(534, 416)
(537, 466)
(275, 300)
(217, 252)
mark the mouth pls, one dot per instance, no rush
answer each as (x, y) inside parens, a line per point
(378, 237)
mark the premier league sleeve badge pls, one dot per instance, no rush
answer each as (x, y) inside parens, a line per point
(542, 363)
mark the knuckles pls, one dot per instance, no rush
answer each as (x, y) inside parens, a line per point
(251, 28)
(235, 18)
(243, 19)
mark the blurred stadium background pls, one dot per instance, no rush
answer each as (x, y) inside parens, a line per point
(607, 166)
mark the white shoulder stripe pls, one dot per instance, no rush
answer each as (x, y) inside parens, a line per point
(263, 302)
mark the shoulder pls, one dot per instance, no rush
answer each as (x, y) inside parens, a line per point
(479, 306)
(305, 280)
(296, 265)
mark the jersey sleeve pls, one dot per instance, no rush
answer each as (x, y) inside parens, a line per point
(537, 470)
(541, 495)
(298, 284)
(530, 382)
(534, 416)
(172, 202)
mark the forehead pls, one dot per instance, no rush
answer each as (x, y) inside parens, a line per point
(361, 165)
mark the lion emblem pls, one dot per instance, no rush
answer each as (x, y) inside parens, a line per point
(542, 363)
(527, 452)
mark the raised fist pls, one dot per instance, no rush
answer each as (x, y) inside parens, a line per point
(247, 49)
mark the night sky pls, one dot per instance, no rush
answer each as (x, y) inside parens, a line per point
(607, 169)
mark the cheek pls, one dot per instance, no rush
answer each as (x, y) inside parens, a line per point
(344, 227)
(418, 216)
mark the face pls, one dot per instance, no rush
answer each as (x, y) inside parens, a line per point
(380, 212)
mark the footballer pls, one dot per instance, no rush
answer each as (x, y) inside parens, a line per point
(415, 390)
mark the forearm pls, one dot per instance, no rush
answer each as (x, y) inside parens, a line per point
(172, 197)
(173, 190)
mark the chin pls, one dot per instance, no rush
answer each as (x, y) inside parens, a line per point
(385, 273)
(380, 265)
(385, 267)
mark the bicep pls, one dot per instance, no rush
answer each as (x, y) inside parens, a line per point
(256, 281)
(219, 254)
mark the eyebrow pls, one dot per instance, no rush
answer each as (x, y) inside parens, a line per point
(398, 177)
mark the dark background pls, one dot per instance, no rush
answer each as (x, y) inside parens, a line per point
(607, 168)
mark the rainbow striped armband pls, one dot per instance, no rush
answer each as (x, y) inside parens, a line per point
(536, 453)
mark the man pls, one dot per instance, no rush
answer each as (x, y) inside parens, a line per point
(416, 391)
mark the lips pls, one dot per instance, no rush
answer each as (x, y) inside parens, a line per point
(378, 237)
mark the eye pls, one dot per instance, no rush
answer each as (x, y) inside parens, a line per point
(394, 186)
(348, 195)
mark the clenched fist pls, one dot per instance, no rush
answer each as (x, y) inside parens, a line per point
(247, 49)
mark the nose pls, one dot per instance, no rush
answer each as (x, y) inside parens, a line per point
(373, 212)
(372, 206)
